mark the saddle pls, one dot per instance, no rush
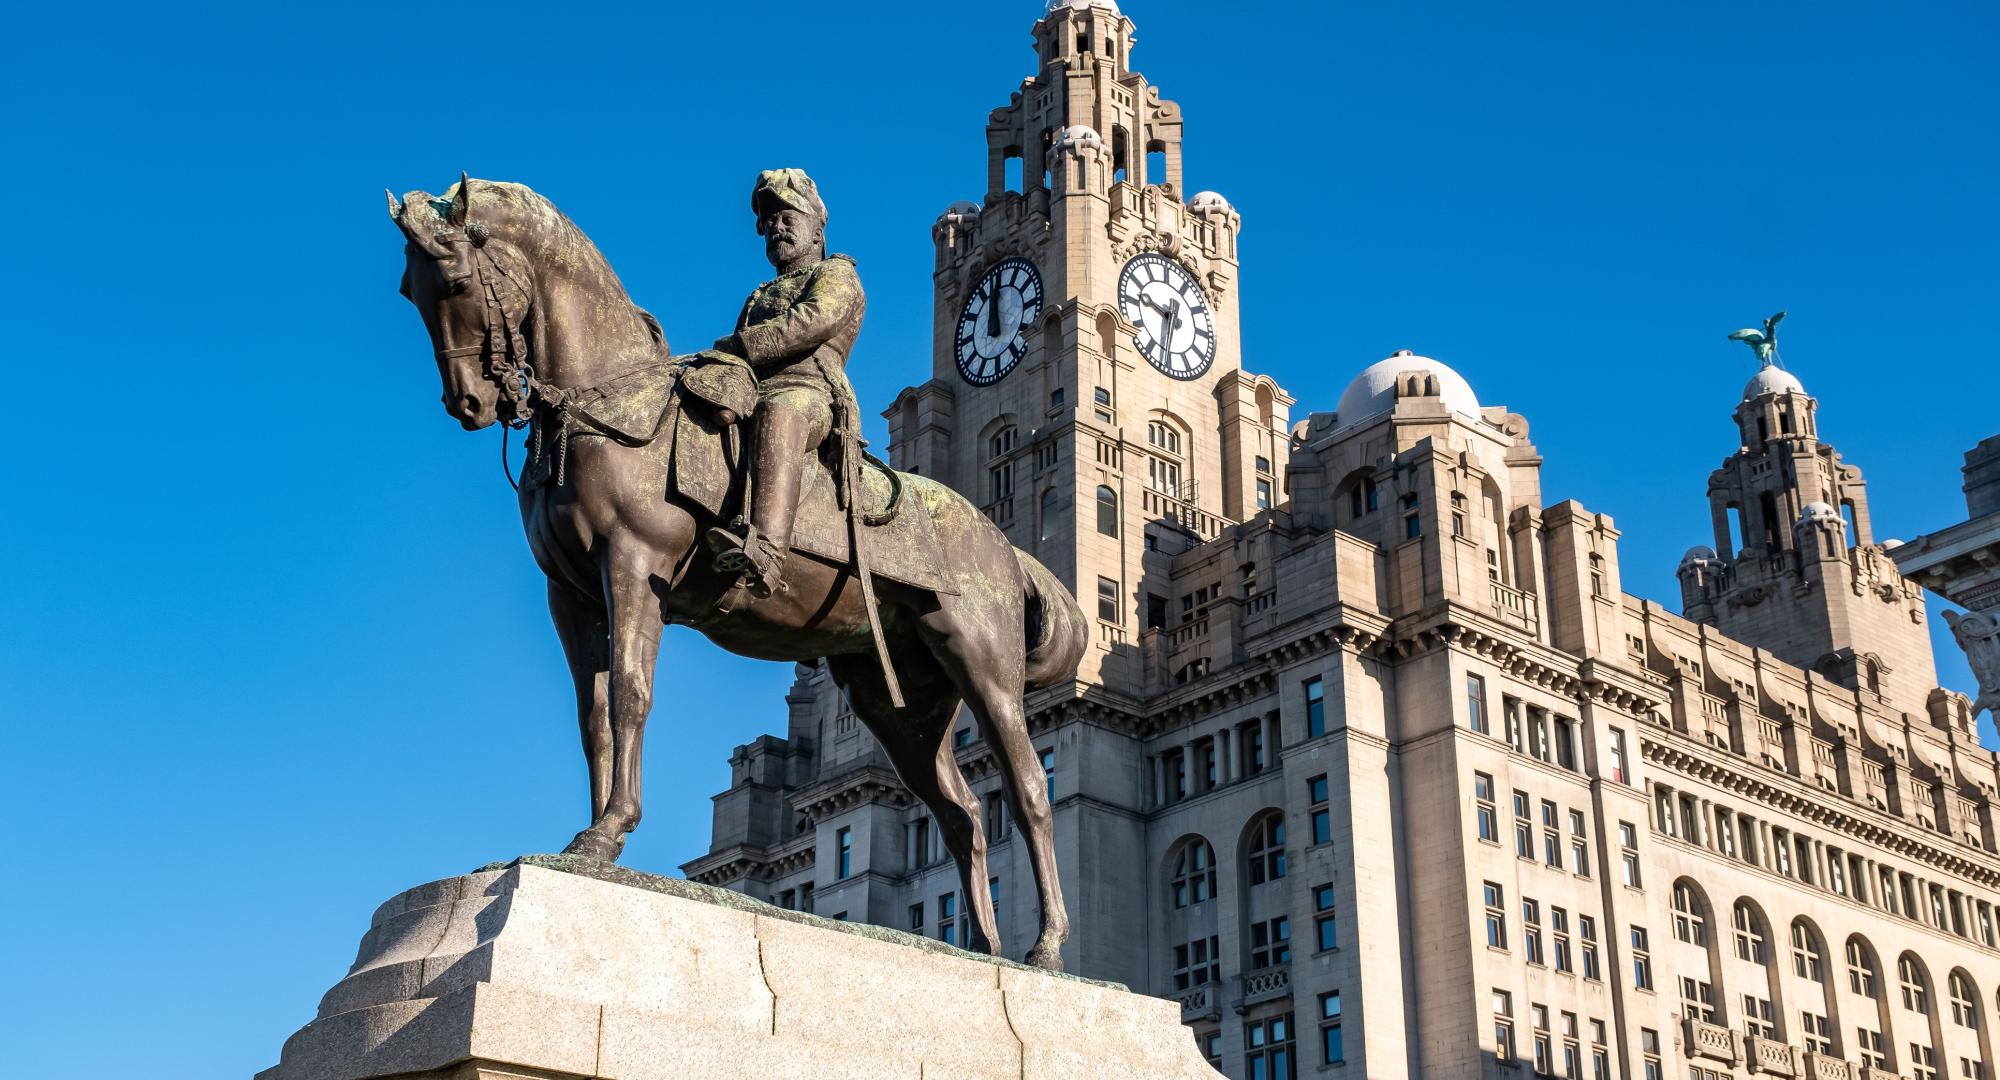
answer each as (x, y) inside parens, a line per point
(707, 465)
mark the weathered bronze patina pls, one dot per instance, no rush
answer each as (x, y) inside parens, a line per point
(629, 469)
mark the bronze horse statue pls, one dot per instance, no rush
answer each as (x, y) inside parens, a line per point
(528, 319)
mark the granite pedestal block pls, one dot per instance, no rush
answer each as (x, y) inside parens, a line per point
(556, 968)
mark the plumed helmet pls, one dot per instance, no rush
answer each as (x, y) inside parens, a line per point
(786, 188)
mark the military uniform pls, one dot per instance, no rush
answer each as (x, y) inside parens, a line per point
(796, 331)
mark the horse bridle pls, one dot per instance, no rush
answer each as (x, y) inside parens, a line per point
(505, 362)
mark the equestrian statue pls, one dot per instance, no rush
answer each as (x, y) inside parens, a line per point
(730, 491)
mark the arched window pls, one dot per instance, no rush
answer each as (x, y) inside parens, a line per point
(1749, 933)
(1050, 515)
(1964, 1003)
(1194, 874)
(1808, 959)
(1266, 850)
(1107, 511)
(1916, 988)
(1689, 924)
(1863, 977)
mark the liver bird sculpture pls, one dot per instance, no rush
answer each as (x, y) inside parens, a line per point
(1763, 342)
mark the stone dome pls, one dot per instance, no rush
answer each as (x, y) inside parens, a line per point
(1374, 391)
(1078, 136)
(1772, 380)
(1817, 512)
(1699, 554)
(1210, 200)
(964, 208)
(1080, 5)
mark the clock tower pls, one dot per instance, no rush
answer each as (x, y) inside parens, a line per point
(1087, 388)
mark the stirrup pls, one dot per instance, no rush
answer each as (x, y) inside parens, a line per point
(732, 552)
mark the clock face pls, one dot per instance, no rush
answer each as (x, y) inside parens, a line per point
(1005, 303)
(1176, 328)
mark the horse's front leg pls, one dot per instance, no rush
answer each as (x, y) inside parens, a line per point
(581, 624)
(633, 619)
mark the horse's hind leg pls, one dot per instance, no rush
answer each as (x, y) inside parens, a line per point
(985, 655)
(916, 740)
(580, 623)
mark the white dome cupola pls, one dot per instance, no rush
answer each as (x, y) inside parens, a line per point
(1381, 385)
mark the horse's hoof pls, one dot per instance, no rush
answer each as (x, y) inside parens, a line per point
(1046, 957)
(595, 845)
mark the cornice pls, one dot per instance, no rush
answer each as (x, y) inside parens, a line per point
(1785, 792)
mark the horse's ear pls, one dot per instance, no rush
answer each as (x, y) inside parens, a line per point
(395, 206)
(461, 207)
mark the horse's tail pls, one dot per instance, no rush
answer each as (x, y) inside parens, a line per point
(1057, 634)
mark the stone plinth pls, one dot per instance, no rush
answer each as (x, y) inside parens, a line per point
(563, 969)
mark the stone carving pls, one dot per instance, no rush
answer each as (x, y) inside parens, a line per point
(626, 475)
(1978, 633)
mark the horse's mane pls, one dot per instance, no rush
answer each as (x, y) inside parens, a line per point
(515, 212)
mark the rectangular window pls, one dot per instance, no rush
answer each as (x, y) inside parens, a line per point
(1552, 844)
(1503, 1028)
(1197, 963)
(1484, 810)
(1263, 494)
(1566, 743)
(843, 842)
(920, 842)
(1545, 1064)
(1107, 600)
(1586, 928)
(947, 924)
(1475, 705)
(996, 817)
(1524, 826)
(1511, 713)
(1267, 1048)
(1619, 773)
(1321, 816)
(1642, 960)
(961, 738)
(1271, 943)
(1531, 931)
(1315, 708)
(917, 918)
(1697, 1000)
(1871, 1049)
(1048, 758)
(1628, 853)
(1324, 919)
(1496, 916)
(1579, 846)
(1759, 1018)
(1332, 1050)
(1649, 1050)
(1923, 1062)
(1817, 1032)
(1559, 939)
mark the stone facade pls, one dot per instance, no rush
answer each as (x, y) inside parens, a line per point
(1373, 765)
(1962, 564)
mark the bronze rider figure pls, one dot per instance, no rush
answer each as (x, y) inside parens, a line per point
(795, 331)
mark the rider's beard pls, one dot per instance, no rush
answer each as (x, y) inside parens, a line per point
(782, 246)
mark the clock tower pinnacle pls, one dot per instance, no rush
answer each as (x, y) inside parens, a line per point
(1087, 388)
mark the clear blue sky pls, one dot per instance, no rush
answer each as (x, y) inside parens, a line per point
(271, 646)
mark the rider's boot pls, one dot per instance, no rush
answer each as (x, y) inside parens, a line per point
(759, 555)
